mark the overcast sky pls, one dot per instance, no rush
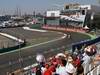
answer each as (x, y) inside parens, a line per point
(37, 5)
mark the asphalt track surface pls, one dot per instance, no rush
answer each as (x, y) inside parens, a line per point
(24, 57)
(29, 36)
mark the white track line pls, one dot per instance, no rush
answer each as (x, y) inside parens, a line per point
(27, 28)
(11, 37)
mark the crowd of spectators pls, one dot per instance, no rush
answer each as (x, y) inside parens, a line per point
(66, 63)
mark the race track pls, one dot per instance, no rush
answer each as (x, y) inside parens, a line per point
(32, 37)
(26, 56)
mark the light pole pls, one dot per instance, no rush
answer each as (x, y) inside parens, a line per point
(20, 58)
(30, 58)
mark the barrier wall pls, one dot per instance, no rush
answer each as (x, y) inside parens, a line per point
(12, 48)
(85, 42)
(71, 29)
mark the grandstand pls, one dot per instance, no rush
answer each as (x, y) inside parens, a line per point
(72, 15)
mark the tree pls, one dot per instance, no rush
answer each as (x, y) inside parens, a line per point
(96, 21)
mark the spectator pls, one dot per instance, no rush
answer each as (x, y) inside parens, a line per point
(41, 60)
(80, 70)
(50, 71)
(86, 61)
(66, 54)
(91, 50)
(97, 59)
(38, 71)
(44, 69)
(70, 68)
(77, 64)
(60, 55)
(61, 70)
(76, 60)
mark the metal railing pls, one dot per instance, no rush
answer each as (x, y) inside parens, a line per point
(94, 70)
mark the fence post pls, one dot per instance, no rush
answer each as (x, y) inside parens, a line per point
(98, 70)
(90, 67)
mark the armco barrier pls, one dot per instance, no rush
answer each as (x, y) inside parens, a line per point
(85, 42)
(22, 44)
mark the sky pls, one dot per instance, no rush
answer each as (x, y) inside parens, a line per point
(28, 6)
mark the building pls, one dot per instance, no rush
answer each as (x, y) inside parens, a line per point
(52, 17)
(72, 15)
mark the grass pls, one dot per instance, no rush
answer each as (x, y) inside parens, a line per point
(36, 26)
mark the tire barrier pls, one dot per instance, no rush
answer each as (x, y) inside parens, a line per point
(20, 45)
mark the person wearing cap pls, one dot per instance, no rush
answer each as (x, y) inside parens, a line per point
(60, 55)
(41, 60)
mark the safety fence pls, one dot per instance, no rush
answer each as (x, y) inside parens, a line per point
(93, 70)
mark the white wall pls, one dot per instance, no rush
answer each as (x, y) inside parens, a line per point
(85, 6)
(53, 13)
